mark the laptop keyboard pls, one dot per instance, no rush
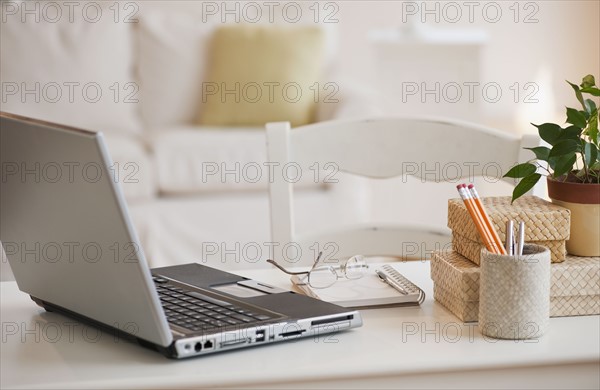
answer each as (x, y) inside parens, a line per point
(198, 312)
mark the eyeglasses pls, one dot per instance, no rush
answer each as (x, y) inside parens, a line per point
(323, 276)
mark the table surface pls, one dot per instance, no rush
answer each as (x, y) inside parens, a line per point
(41, 350)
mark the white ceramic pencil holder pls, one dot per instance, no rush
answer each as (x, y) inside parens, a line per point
(514, 294)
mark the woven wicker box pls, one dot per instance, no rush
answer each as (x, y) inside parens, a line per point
(546, 224)
(574, 287)
(472, 249)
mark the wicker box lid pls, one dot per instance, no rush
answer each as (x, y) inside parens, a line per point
(576, 276)
(472, 249)
(544, 221)
(455, 274)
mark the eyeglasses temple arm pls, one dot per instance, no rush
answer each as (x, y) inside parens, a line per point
(317, 260)
(284, 270)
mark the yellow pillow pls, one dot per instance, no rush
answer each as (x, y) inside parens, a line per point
(262, 74)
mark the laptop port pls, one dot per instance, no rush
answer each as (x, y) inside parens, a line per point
(292, 334)
(260, 335)
(330, 320)
(230, 343)
(208, 344)
(198, 347)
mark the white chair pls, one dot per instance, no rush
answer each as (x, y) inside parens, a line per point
(381, 148)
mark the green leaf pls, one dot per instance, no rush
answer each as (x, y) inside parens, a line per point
(576, 118)
(591, 154)
(591, 90)
(525, 185)
(590, 106)
(549, 132)
(592, 130)
(571, 132)
(577, 92)
(541, 152)
(588, 81)
(521, 170)
(563, 165)
(564, 147)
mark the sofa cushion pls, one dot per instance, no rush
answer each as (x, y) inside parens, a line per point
(208, 159)
(191, 160)
(70, 69)
(260, 74)
(172, 49)
(132, 167)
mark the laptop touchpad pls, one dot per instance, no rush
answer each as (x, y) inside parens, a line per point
(238, 290)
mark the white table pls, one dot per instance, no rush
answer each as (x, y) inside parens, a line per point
(397, 347)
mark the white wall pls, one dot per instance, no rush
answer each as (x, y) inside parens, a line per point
(564, 43)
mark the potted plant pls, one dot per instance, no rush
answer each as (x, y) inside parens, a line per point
(571, 164)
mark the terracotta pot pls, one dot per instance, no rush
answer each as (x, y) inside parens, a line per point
(584, 202)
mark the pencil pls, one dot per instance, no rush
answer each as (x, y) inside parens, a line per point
(477, 219)
(494, 234)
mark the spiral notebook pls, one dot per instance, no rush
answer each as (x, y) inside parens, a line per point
(366, 292)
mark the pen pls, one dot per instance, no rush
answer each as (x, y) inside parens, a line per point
(391, 282)
(521, 240)
(510, 249)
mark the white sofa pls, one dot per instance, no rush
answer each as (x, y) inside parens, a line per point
(149, 74)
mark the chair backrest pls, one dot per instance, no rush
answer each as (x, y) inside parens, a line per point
(432, 149)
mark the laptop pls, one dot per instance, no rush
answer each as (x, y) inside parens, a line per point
(72, 247)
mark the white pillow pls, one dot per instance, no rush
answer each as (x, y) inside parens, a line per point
(67, 60)
(172, 60)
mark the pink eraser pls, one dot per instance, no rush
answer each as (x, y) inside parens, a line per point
(471, 186)
(458, 187)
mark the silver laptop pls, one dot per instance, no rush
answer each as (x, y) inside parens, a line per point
(72, 247)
